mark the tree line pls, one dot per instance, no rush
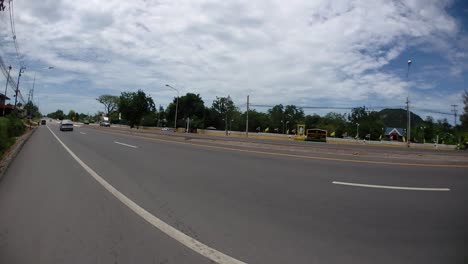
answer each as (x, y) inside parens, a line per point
(138, 109)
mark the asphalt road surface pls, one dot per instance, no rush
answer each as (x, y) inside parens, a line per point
(89, 196)
(395, 149)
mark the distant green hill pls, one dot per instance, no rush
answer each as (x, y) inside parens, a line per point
(397, 118)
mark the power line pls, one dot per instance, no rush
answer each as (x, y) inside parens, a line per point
(4, 70)
(353, 107)
(432, 111)
(328, 107)
(13, 32)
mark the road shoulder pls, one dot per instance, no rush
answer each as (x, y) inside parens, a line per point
(14, 150)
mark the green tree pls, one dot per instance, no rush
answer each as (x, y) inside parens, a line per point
(293, 115)
(224, 109)
(32, 110)
(312, 121)
(334, 122)
(258, 121)
(369, 122)
(134, 105)
(72, 115)
(161, 117)
(464, 116)
(445, 132)
(83, 116)
(190, 106)
(97, 116)
(150, 119)
(57, 115)
(428, 129)
(114, 117)
(276, 114)
(110, 102)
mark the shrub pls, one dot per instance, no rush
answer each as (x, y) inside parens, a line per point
(10, 127)
(5, 140)
(16, 126)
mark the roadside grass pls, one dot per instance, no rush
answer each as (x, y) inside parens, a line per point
(11, 127)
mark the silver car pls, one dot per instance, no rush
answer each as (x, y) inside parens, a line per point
(66, 125)
(104, 123)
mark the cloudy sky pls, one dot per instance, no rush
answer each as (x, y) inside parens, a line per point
(308, 53)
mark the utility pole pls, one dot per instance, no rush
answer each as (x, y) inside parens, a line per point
(32, 91)
(6, 87)
(408, 129)
(225, 117)
(28, 113)
(247, 119)
(455, 113)
(176, 107)
(17, 86)
(29, 96)
(226, 124)
(159, 116)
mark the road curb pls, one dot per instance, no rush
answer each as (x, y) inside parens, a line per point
(13, 151)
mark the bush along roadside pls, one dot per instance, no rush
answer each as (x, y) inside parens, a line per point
(11, 127)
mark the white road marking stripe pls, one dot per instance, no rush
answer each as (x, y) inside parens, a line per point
(83, 133)
(392, 187)
(193, 244)
(116, 142)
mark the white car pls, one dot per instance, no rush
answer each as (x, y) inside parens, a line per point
(104, 123)
(66, 125)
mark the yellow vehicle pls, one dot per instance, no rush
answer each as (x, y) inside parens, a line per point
(316, 134)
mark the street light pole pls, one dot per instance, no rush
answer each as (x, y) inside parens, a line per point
(408, 129)
(6, 87)
(177, 105)
(357, 130)
(17, 86)
(247, 119)
(423, 139)
(34, 82)
(287, 122)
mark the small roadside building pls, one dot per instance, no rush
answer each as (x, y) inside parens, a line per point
(395, 133)
(8, 108)
(3, 99)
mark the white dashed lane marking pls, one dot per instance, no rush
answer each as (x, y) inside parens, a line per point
(123, 144)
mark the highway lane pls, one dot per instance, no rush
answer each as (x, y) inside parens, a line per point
(268, 209)
(52, 211)
(307, 144)
(389, 156)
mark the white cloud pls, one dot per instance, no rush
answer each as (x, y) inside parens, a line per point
(300, 52)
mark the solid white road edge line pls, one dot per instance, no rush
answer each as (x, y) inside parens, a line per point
(193, 244)
(392, 187)
(116, 142)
